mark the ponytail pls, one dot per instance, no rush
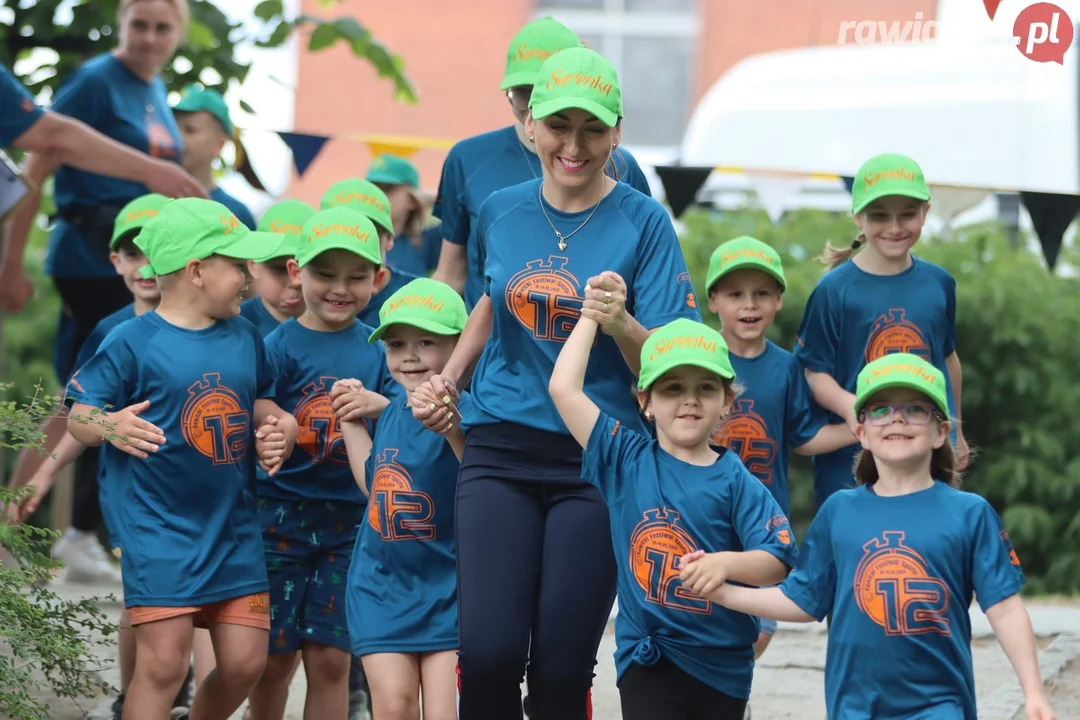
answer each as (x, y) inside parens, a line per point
(942, 466)
(833, 256)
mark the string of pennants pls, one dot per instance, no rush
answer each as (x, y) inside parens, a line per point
(1051, 213)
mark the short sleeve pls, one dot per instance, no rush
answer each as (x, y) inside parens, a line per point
(628, 170)
(90, 346)
(81, 97)
(20, 111)
(108, 378)
(450, 201)
(996, 572)
(274, 355)
(661, 286)
(264, 371)
(950, 315)
(758, 519)
(812, 585)
(432, 247)
(483, 218)
(803, 418)
(819, 333)
(612, 448)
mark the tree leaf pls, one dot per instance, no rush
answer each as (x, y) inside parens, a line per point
(268, 9)
(200, 37)
(325, 35)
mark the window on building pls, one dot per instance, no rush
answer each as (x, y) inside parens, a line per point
(651, 43)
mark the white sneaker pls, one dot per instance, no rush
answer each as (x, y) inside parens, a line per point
(85, 560)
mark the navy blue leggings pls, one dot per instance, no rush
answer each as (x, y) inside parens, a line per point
(536, 575)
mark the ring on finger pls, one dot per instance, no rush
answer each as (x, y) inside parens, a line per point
(607, 297)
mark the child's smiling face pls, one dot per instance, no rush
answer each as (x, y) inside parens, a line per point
(747, 302)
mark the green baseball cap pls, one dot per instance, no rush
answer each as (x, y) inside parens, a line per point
(361, 195)
(197, 99)
(194, 229)
(393, 170)
(339, 228)
(134, 216)
(683, 342)
(901, 370)
(426, 304)
(286, 217)
(742, 253)
(532, 45)
(578, 78)
(887, 174)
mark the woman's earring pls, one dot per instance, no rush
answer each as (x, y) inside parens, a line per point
(532, 139)
(648, 415)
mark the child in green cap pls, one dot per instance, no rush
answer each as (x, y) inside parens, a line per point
(309, 509)
(203, 119)
(277, 295)
(182, 389)
(402, 595)
(414, 250)
(669, 496)
(775, 412)
(898, 560)
(882, 300)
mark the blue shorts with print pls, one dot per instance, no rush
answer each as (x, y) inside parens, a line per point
(308, 545)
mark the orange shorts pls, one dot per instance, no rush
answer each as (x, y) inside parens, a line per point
(250, 611)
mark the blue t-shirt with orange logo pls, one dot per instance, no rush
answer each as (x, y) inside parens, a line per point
(403, 584)
(897, 575)
(107, 96)
(20, 111)
(256, 313)
(774, 413)
(661, 509)
(306, 364)
(536, 295)
(398, 279)
(480, 165)
(853, 318)
(184, 515)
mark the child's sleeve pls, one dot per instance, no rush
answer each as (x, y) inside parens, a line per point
(264, 370)
(819, 332)
(995, 568)
(758, 519)
(89, 347)
(450, 201)
(803, 418)
(812, 585)
(949, 346)
(661, 289)
(108, 379)
(612, 451)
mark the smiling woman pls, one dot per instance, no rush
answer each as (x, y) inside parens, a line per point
(536, 572)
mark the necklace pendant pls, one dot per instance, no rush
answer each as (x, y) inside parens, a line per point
(562, 244)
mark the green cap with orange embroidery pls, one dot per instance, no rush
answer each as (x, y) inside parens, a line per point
(683, 342)
(884, 175)
(745, 253)
(194, 229)
(197, 99)
(133, 217)
(578, 78)
(339, 228)
(393, 170)
(363, 196)
(285, 218)
(424, 303)
(532, 45)
(901, 370)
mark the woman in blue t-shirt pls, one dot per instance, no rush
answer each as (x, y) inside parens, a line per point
(480, 165)
(535, 562)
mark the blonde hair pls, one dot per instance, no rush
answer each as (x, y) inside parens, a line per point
(180, 6)
(943, 466)
(834, 256)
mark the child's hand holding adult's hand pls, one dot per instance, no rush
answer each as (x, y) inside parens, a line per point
(434, 403)
(128, 432)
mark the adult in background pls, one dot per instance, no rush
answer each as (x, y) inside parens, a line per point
(121, 95)
(480, 165)
(415, 249)
(534, 553)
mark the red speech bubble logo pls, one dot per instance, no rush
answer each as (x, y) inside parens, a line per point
(1043, 32)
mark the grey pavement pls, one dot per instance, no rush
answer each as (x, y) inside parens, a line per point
(789, 678)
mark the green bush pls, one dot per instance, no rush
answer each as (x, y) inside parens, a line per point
(1017, 326)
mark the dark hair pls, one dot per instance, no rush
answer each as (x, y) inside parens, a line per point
(615, 169)
(125, 244)
(942, 466)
